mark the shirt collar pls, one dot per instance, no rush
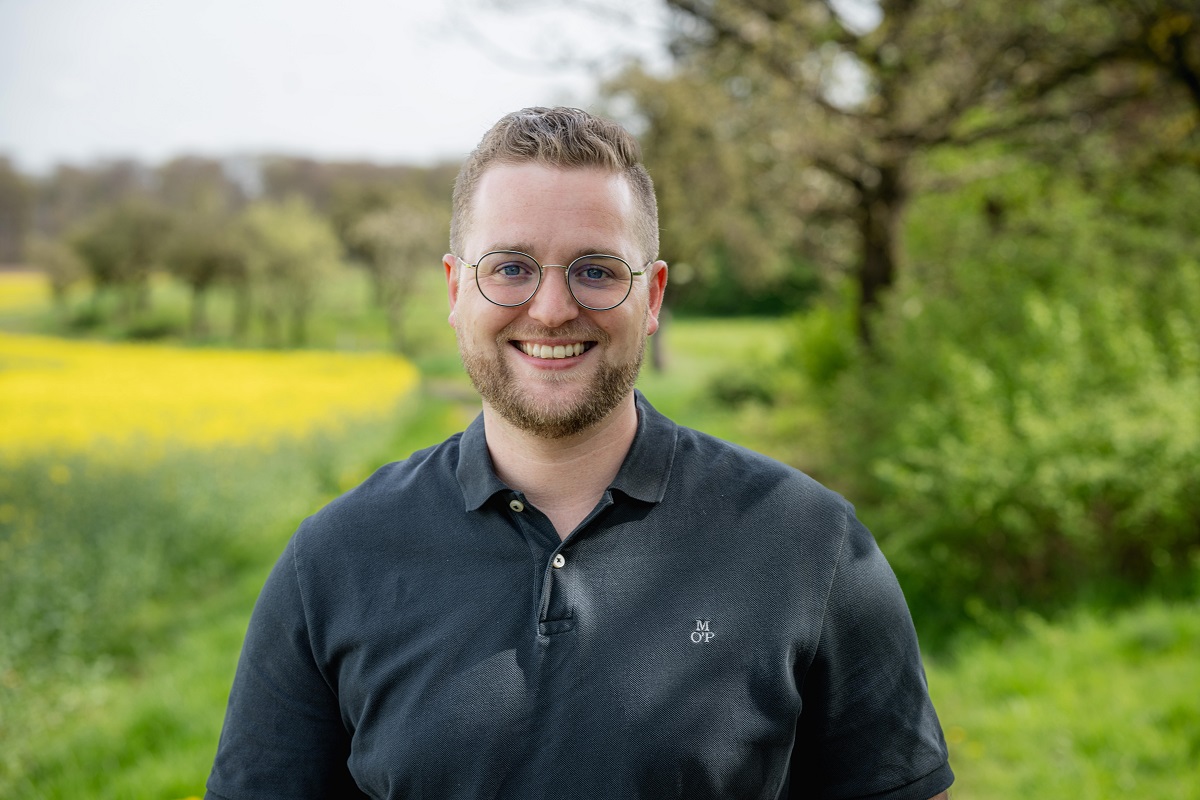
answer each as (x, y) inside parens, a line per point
(647, 466)
(643, 474)
(475, 474)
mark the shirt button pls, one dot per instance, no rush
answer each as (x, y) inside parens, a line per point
(559, 562)
(516, 505)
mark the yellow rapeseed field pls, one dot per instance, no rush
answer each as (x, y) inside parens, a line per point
(58, 395)
(25, 289)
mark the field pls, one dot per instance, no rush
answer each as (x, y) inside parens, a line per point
(147, 489)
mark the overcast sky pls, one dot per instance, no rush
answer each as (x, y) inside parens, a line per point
(392, 81)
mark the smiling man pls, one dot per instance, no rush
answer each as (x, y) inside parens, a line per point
(575, 597)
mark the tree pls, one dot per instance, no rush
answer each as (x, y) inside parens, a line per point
(121, 246)
(16, 205)
(204, 249)
(289, 249)
(60, 263)
(857, 91)
(396, 243)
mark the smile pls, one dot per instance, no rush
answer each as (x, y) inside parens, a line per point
(553, 351)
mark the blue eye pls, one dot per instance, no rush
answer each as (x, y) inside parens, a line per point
(594, 273)
(598, 271)
(507, 267)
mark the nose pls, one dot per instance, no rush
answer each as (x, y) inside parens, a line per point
(552, 304)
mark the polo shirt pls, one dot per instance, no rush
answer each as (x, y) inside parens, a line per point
(719, 626)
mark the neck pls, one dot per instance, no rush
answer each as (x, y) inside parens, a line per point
(564, 478)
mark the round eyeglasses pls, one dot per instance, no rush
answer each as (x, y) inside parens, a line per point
(511, 278)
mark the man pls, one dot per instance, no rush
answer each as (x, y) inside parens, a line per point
(576, 598)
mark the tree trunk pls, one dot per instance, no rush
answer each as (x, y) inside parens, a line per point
(881, 215)
(198, 323)
(298, 334)
(241, 311)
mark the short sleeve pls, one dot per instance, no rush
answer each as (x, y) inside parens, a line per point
(867, 727)
(283, 734)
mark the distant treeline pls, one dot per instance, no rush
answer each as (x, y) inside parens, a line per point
(267, 230)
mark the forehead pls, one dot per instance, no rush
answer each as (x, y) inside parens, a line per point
(553, 210)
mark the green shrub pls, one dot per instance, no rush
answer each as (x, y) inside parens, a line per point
(1027, 431)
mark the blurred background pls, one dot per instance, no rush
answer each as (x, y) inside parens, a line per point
(943, 255)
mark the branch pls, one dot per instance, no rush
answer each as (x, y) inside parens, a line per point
(728, 31)
(1001, 129)
(825, 164)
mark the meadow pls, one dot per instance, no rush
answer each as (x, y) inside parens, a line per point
(147, 489)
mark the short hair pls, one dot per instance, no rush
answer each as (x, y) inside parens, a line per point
(566, 138)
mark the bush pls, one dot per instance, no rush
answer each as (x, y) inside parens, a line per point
(1027, 431)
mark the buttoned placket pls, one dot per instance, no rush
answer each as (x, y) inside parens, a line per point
(558, 569)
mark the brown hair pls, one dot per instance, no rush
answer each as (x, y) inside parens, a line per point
(566, 138)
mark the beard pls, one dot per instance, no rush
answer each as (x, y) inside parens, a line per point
(604, 391)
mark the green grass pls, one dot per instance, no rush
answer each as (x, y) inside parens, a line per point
(123, 617)
(1091, 708)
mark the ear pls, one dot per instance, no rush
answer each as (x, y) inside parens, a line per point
(450, 264)
(658, 285)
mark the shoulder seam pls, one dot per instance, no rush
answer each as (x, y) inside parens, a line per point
(833, 574)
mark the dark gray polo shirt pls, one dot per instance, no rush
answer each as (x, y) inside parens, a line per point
(720, 626)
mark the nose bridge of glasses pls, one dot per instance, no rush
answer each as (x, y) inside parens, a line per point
(541, 288)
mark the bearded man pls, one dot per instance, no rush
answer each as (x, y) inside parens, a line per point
(576, 597)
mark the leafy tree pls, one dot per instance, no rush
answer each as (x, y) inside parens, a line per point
(396, 243)
(857, 97)
(189, 184)
(1023, 432)
(351, 203)
(60, 263)
(71, 195)
(16, 204)
(121, 245)
(289, 249)
(204, 250)
(727, 206)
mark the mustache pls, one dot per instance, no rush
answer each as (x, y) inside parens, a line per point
(574, 332)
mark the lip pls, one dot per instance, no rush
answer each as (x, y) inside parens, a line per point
(520, 346)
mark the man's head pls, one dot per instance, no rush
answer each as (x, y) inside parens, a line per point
(563, 138)
(556, 185)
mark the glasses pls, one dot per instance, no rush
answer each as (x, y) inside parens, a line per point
(511, 278)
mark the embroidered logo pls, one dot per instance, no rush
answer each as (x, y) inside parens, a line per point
(702, 633)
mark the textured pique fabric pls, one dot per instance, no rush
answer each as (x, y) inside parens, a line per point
(720, 626)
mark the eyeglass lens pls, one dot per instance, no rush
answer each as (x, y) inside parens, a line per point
(596, 282)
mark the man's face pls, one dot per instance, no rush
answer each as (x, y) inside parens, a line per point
(554, 215)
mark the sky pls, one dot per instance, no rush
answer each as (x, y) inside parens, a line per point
(394, 81)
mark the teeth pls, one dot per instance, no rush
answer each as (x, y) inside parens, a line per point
(556, 351)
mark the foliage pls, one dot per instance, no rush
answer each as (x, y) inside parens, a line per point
(59, 263)
(396, 243)
(137, 482)
(1095, 707)
(204, 249)
(118, 633)
(1028, 430)
(16, 206)
(819, 112)
(727, 207)
(289, 251)
(121, 246)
